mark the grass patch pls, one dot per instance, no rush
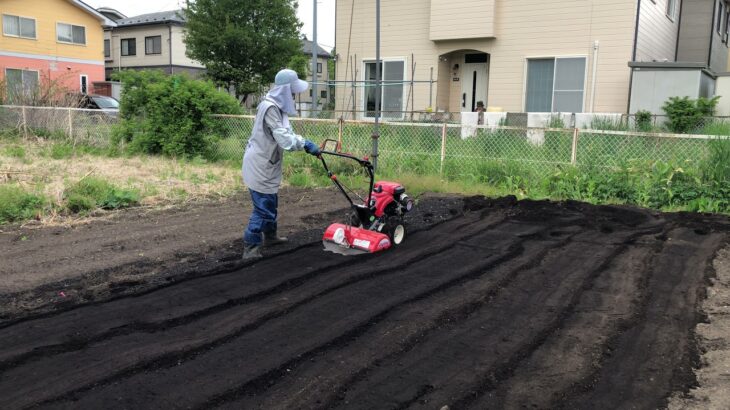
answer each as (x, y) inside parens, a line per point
(90, 193)
(16, 204)
(15, 151)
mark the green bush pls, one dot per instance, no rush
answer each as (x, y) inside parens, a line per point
(643, 121)
(90, 193)
(686, 115)
(16, 204)
(170, 115)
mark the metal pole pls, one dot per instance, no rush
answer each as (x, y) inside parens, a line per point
(378, 89)
(430, 91)
(314, 59)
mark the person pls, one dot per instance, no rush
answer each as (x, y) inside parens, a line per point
(262, 161)
(480, 109)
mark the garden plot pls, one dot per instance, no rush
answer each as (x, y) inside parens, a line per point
(488, 304)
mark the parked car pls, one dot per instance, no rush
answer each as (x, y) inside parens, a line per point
(107, 106)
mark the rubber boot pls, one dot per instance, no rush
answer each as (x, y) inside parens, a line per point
(251, 252)
(271, 239)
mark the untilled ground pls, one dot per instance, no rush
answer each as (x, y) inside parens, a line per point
(488, 304)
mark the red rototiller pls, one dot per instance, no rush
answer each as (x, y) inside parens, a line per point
(377, 222)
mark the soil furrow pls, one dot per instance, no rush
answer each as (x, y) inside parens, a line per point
(513, 322)
(657, 348)
(228, 291)
(317, 385)
(355, 315)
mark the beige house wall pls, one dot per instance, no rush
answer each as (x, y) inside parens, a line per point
(694, 41)
(524, 29)
(460, 19)
(657, 37)
(148, 60)
(179, 49)
(321, 78)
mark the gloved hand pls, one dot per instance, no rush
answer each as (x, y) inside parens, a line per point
(311, 148)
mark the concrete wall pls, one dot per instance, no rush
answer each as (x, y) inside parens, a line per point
(722, 88)
(657, 35)
(522, 30)
(651, 88)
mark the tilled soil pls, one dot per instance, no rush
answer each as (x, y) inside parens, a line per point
(505, 305)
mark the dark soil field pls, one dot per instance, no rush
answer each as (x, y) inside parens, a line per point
(488, 304)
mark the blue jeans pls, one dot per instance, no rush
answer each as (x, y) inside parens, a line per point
(263, 217)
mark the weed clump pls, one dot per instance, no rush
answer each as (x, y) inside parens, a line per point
(90, 193)
(16, 204)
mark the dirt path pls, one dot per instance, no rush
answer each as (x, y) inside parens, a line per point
(532, 304)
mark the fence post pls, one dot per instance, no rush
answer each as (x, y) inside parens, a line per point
(25, 122)
(443, 148)
(70, 124)
(340, 131)
(574, 148)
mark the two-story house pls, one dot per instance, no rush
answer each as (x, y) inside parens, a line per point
(518, 56)
(55, 41)
(149, 41)
(322, 77)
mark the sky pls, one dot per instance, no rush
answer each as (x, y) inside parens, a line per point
(325, 14)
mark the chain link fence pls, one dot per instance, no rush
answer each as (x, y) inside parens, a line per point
(421, 148)
(79, 126)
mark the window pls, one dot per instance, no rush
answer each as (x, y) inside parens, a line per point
(18, 26)
(672, 9)
(84, 84)
(555, 84)
(107, 48)
(727, 27)
(323, 94)
(391, 103)
(153, 45)
(129, 46)
(20, 83)
(719, 15)
(319, 68)
(68, 33)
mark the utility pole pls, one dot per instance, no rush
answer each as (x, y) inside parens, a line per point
(314, 59)
(378, 88)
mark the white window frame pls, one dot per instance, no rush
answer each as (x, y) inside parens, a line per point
(363, 97)
(554, 57)
(672, 9)
(35, 27)
(81, 83)
(72, 26)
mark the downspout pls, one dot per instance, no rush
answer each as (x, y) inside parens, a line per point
(712, 32)
(596, 46)
(679, 30)
(633, 54)
(169, 42)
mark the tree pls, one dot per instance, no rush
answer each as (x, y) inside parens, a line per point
(300, 64)
(242, 43)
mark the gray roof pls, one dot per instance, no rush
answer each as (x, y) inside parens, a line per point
(163, 17)
(307, 49)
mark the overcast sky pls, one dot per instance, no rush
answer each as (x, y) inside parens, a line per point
(325, 14)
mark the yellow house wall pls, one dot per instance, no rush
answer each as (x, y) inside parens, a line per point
(47, 13)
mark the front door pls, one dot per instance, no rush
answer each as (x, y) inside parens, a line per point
(474, 85)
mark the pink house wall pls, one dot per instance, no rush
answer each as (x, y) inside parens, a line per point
(65, 73)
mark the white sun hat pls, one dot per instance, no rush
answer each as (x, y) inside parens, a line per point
(290, 77)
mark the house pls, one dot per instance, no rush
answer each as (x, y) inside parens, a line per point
(53, 42)
(148, 41)
(517, 56)
(322, 73)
